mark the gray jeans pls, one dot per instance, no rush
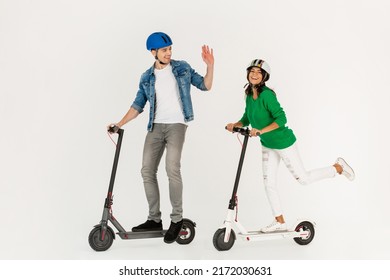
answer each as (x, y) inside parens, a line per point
(170, 137)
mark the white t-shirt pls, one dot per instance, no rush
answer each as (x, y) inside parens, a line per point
(168, 103)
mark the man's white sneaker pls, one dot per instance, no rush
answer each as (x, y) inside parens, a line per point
(274, 226)
(347, 170)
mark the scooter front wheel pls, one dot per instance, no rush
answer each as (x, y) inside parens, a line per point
(305, 227)
(95, 241)
(187, 233)
(218, 239)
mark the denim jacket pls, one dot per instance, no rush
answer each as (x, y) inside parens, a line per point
(185, 76)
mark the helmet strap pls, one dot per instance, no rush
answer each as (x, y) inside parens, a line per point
(159, 61)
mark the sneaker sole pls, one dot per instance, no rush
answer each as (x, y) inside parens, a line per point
(169, 241)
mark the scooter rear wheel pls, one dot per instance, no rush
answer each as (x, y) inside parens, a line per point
(218, 240)
(96, 243)
(308, 227)
(187, 233)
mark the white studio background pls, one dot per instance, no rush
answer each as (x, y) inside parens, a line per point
(69, 68)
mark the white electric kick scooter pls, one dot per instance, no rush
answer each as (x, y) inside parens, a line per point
(224, 237)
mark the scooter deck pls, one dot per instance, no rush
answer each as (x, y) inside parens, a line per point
(258, 235)
(257, 232)
(142, 234)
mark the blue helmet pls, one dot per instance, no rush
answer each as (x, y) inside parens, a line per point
(158, 40)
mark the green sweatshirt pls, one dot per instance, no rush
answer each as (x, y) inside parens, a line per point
(262, 112)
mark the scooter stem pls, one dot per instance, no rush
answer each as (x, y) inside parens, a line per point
(232, 203)
(114, 167)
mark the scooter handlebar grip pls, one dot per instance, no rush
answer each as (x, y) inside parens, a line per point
(113, 129)
(235, 129)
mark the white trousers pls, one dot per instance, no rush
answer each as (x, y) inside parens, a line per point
(292, 160)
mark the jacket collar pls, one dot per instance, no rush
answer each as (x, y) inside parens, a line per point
(174, 64)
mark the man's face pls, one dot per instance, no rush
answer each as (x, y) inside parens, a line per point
(163, 54)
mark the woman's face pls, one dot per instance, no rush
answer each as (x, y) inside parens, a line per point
(255, 77)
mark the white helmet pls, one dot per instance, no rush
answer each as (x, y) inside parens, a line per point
(260, 64)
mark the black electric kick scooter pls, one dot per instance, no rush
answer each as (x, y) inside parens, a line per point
(102, 235)
(224, 237)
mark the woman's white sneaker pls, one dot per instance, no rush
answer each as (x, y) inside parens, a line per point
(274, 226)
(347, 170)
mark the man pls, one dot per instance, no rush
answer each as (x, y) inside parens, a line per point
(166, 86)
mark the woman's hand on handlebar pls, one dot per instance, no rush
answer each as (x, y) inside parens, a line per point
(255, 132)
(230, 126)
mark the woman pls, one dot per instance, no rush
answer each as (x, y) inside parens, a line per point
(268, 119)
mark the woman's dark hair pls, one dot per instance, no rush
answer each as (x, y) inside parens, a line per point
(259, 87)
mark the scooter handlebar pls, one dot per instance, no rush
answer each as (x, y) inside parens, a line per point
(113, 129)
(242, 130)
